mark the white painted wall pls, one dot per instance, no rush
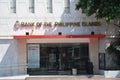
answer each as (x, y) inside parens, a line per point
(8, 58)
(8, 19)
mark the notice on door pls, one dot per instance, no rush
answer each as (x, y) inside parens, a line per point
(33, 56)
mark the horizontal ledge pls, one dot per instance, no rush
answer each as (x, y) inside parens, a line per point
(6, 37)
(58, 36)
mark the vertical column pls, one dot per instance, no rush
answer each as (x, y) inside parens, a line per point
(93, 52)
(22, 55)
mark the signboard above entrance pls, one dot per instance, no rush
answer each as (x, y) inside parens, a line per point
(19, 24)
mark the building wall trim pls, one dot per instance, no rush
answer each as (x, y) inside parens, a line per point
(58, 36)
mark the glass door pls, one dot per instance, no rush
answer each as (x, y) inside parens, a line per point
(54, 59)
(33, 57)
(49, 58)
(57, 58)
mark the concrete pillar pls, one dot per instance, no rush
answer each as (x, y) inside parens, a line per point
(22, 56)
(93, 53)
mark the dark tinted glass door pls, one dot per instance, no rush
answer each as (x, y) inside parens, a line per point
(57, 58)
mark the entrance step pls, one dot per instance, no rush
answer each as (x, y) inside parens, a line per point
(62, 77)
(86, 77)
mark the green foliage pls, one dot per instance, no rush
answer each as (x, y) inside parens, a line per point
(108, 9)
(114, 46)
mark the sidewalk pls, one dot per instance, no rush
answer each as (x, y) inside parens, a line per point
(20, 77)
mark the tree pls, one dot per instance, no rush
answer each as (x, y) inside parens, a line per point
(108, 10)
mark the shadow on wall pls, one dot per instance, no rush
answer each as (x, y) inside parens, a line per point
(70, 20)
(67, 16)
(8, 58)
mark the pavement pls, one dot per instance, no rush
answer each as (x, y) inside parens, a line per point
(58, 77)
(18, 77)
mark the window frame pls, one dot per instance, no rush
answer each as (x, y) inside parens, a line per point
(32, 6)
(105, 62)
(101, 56)
(50, 6)
(67, 6)
(13, 6)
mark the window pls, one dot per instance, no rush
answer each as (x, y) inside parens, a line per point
(109, 61)
(31, 6)
(67, 6)
(13, 6)
(49, 6)
(101, 60)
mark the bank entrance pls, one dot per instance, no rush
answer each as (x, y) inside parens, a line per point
(57, 58)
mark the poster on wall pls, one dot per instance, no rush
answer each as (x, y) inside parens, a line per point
(33, 56)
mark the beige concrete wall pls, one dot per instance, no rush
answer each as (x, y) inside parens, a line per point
(22, 56)
(59, 40)
(93, 53)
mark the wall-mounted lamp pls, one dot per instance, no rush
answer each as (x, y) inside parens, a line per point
(27, 33)
(92, 33)
(59, 33)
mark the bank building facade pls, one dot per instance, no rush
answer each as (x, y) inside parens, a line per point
(49, 37)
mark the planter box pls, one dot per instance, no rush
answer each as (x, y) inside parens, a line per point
(112, 73)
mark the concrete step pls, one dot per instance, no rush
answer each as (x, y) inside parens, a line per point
(59, 77)
(89, 77)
